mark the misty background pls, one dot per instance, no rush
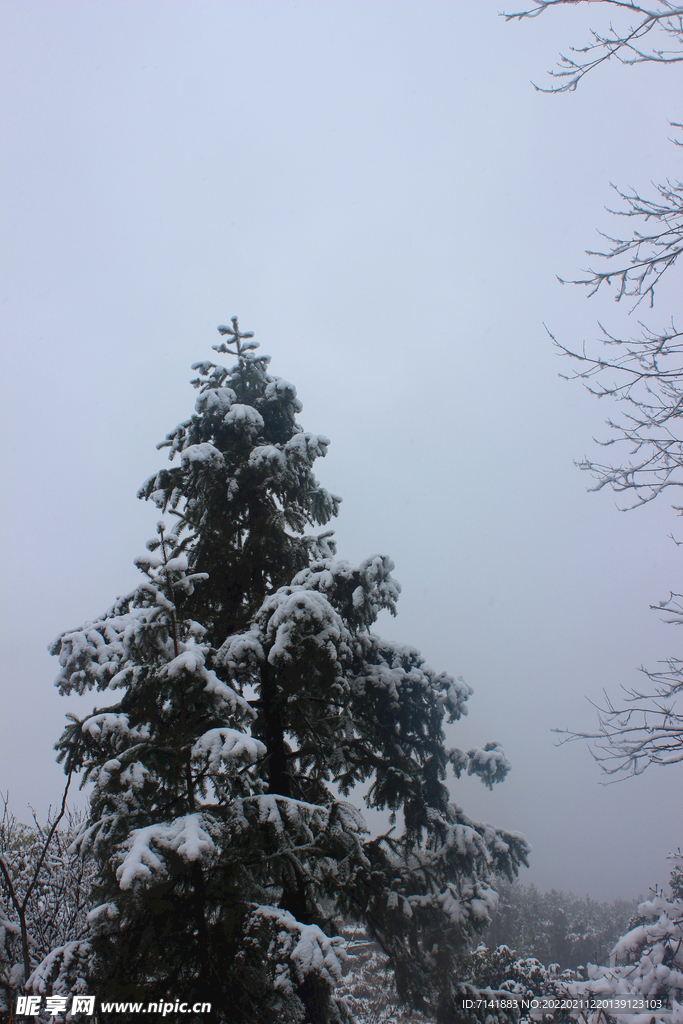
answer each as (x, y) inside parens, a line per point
(375, 188)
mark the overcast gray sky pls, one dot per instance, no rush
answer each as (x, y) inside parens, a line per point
(378, 192)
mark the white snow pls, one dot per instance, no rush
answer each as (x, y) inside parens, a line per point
(303, 615)
(645, 961)
(303, 947)
(303, 449)
(228, 746)
(490, 763)
(141, 863)
(268, 458)
(108, 725)
(190, 662)
(245, 418)
(278, 389)
(215, 401)
(63, 970)
(204, 454)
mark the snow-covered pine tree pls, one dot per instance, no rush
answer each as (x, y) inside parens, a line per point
(250, 703)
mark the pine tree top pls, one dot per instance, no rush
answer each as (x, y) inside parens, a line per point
(243, 483)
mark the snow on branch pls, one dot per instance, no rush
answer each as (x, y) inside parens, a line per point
(643, 729)
(635, 263)
(224, 746)
(650, 252)
(298, 949)
(646, 963)
(300, 616)
(647, 376)
(141, 863)
(627, 44)
(62, 971)
(490, 764)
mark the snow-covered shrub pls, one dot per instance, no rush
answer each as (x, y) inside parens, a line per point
(44, 887)
(503, 971)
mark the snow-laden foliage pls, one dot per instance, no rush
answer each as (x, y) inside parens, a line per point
(295, 950)
(244, 485)
(249, 698)
(503, 971)
(63, 971)
(646, 962)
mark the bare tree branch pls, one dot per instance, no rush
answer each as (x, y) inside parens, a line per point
(625, 44)
(645, 374)
(635, 264)
(24, 870)
(650, 253)
(644, 728)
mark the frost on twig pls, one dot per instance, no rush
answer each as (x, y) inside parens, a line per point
(630, 42)
(644, 727)
(646, 377)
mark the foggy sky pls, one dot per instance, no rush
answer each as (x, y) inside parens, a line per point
(378, 192)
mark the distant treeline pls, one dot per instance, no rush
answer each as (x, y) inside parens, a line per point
(558, 927)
